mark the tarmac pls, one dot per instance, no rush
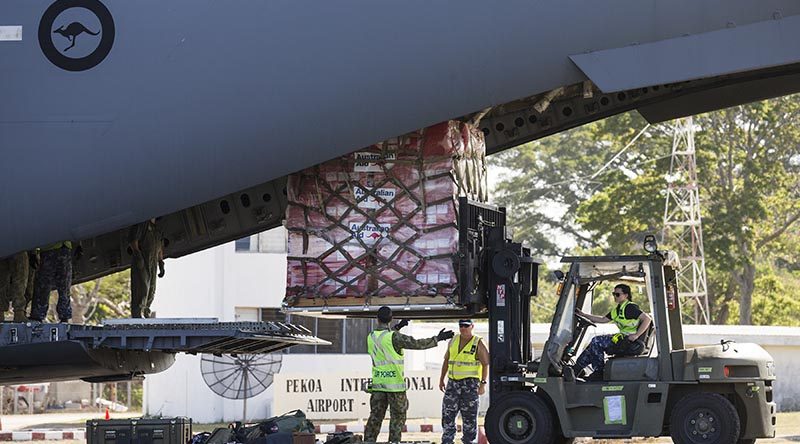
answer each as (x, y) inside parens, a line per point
(68, 428)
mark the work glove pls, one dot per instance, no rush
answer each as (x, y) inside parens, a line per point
(444, 335)
(400, 325)
(161, 269)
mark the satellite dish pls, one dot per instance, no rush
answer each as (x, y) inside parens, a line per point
(240, 376)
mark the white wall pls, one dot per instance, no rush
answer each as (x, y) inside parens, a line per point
(211, 283)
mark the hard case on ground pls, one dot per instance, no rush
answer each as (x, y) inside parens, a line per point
(139, 431)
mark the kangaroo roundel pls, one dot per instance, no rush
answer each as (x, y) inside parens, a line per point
(76, 35)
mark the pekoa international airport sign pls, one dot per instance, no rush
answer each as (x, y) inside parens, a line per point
(344, 396)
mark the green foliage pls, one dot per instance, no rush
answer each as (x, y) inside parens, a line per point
(118, 392)
(544, 304)
(104, 298)
(775, 299)
(549, 179)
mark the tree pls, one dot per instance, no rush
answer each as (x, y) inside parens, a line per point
(107, 297)
(547, 180)
(749, 171)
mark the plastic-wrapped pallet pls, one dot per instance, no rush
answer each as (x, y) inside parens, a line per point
(379, 226)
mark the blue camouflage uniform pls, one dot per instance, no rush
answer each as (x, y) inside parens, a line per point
(54, 272)
(461, 392)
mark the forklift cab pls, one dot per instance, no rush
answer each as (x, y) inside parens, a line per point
(712, 394)
(579, 289)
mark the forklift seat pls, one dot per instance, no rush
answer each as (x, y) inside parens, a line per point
(634, 368)
(639, 368)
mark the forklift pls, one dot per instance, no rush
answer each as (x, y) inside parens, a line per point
(715, 394)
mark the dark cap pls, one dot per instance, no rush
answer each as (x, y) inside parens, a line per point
(385, 314)
(464, 322)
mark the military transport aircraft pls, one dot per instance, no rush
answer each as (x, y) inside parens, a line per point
(112, 111)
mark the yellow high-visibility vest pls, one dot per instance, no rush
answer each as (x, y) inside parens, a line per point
(387, 364)
(464, 363)
(626, 326)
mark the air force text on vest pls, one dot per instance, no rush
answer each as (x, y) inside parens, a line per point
(345, 386)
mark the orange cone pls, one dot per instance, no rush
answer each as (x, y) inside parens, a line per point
(107, 415)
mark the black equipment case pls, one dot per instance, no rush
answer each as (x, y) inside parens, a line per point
(139, 431)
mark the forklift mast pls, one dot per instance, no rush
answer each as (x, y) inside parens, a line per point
(498, 278)
(511, 276)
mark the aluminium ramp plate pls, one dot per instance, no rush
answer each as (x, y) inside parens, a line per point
(191, 337)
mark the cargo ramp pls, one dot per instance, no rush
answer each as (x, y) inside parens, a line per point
(129, 348)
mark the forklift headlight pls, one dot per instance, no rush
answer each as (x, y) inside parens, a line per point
(650, 244)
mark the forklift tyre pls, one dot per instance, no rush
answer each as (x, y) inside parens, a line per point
(521, 418)
(704, 417)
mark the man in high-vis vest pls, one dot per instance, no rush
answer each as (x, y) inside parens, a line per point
(632, 323)
(385, 346)
(466, 365)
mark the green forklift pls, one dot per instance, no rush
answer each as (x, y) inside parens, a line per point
(714, 394)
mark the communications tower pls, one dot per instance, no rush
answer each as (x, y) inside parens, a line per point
(683, 228)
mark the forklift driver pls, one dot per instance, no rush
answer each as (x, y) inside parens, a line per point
(632, 323)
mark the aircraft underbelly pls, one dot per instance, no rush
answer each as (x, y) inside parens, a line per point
(196, 99)
(69, 360)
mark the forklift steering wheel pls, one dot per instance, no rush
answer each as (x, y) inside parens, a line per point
(584, 320)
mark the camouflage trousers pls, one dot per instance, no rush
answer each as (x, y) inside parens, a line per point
(13, 282)
(460, 396)
(378, 401)
(55, 272)
(143, 283)
(594, 354)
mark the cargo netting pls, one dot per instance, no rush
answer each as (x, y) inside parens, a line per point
(382, 222)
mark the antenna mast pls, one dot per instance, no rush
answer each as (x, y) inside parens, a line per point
(683, 229)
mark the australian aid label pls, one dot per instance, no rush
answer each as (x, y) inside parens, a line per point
(366, 162)
(373, 198)
(369, 233)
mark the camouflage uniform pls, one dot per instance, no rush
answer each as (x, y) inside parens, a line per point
(461, 395)
(594, 354)
(33, 261)
(397, 402)
(144, 265)
(55, 272)
(13, 278)
(5, 286)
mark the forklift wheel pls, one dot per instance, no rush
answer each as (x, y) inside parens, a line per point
(520, 418)
(703, 417)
